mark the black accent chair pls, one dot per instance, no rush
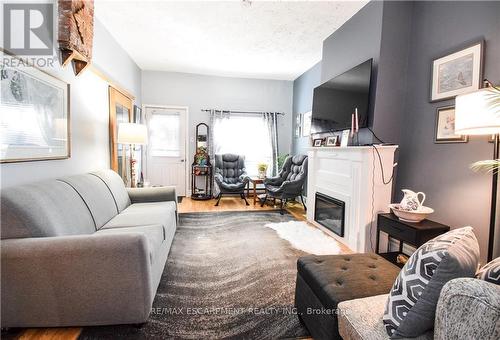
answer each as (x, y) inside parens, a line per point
(289, 183)
(230, 175)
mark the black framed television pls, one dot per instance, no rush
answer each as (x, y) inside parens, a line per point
(336, 100)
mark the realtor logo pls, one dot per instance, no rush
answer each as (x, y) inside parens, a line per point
(28, 28)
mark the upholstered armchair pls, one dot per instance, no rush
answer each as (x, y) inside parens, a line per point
(230, 175)
(289, 183)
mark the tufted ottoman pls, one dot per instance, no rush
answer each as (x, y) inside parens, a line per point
(324, 281)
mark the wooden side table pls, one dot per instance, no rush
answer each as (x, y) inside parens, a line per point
(414, 234)
(254, 181)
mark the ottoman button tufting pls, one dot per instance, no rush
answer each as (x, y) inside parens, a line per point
(372, 277)
(339, 282)
(343, 268)
(372, 266)
(347, 259)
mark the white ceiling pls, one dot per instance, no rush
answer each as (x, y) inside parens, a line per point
(264, 39)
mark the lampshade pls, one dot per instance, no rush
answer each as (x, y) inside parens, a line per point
(131, 133)
(478, 113)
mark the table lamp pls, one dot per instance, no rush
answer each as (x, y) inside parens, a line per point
(132, 134)
(478, 113)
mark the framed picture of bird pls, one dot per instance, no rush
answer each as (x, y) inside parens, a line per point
(457, 73)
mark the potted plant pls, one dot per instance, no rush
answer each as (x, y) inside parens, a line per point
(262, 168)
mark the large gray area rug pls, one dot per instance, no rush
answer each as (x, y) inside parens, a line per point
(227, 276)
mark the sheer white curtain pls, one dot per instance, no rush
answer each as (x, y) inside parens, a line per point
(243, 134)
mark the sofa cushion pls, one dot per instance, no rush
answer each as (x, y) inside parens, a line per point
(336, 278)
(48, 208)
(411, 307)
(116, 186)
(96, 195)
(138, 214)
(361, 319)
(155, 235)
(490, 272)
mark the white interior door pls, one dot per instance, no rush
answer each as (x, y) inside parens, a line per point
(166, 150)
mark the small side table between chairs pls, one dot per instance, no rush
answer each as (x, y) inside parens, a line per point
(255, 181)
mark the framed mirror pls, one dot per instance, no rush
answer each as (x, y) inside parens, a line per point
(201, 156)
(120, 111)
(202, 136)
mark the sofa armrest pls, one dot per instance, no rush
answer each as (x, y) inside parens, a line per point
(468, 309)
(154, 194)
(75, 280)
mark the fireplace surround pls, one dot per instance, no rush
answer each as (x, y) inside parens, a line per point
(353, 176)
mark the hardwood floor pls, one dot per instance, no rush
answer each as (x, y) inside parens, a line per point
(237, 204)
(187, 205)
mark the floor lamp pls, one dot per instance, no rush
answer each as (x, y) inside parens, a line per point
(478, 113)
(132, 134)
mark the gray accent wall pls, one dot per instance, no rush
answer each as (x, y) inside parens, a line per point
(206, 92)
(459, 196)
(379, 31)
(303, 88)
(89, 114)
(403, 38)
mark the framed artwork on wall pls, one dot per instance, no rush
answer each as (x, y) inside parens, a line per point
(137, 114)
(306, 123)
(445, 126)
(298, 125)
(34, 113)
(457, 73)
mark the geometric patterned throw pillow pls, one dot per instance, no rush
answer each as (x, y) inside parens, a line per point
(490, 272)
(411, 306)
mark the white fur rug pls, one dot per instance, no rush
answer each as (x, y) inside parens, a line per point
(306, 238)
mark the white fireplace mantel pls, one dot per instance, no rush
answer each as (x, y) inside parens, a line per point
(352, 175)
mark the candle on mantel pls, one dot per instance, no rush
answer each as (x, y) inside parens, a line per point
(356, 120)
(353, 127)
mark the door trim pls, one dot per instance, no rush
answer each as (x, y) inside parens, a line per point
(186, 141)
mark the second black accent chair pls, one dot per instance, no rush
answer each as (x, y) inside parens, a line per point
(290, 181)
(230, 175)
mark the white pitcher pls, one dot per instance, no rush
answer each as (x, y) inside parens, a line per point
(411, 201)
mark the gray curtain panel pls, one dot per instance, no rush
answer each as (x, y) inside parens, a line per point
(215, 116)
(271, 119)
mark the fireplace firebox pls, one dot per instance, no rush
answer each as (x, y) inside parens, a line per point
(330, 213)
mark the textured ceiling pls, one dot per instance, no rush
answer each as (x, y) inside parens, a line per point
(264, 39)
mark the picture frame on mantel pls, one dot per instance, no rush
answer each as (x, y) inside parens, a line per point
(445, 127)
(331, 140)
(318, 142)
(457, 73)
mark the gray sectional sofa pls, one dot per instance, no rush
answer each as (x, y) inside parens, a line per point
(83, 250)
(467, 309)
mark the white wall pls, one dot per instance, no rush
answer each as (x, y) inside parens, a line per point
(115, 63)
(89, 114)
(207, 92)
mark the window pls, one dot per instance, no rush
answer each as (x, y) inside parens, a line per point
(164, 136)
(246, 135)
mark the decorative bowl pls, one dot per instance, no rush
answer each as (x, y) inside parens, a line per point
(411, 216)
